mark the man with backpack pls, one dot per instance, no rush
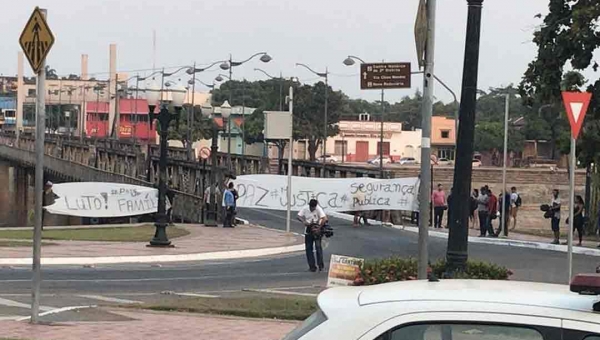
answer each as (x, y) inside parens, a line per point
(515, 203)
(313, 217)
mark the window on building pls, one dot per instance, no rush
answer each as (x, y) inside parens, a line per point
(341, 147)
(386, 148)
(445, 133)
(447, 153)
(31, 93)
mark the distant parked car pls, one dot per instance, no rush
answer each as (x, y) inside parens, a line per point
(328, 159)
(407, 161)
(376, 160)
(444, 161)
(476, 163)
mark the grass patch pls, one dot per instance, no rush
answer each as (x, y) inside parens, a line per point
(18, 243)
(117, 234)
(284, 308)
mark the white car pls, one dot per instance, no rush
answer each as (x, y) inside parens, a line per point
(444, 162)
(328, 159)
(407, 161)
(455, 310)
(376, 160)
(476, 163)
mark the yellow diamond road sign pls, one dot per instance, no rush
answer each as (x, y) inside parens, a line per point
(36, 40)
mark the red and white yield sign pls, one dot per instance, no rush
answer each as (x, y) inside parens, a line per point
(576, 104)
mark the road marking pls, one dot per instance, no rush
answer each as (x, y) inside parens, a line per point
(58, 310)
(271, 291)
(191, 294)
(109, 299)
(11, 303)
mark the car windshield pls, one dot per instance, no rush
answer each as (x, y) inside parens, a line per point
(308, 325)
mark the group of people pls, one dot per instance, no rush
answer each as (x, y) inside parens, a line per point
(228, 202)
(487, 205)
(553, 213)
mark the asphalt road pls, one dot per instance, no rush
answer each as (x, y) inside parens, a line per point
(64, 286)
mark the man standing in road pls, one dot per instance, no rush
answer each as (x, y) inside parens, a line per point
(314, 219)
(438, 198)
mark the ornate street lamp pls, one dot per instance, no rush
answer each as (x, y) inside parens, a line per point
(164, 117)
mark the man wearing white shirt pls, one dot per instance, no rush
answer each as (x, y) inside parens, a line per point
(314, 219)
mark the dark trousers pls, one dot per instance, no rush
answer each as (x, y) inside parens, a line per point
(227, 222)
(414, 217)
(483, 222)
(506, 218)
(309, 240)
(438, 217)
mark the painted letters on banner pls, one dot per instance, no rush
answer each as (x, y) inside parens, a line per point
(343, 270)
(95, 199)
(333, 194)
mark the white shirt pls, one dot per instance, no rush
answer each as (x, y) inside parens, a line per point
(312, 216)
(556, 212)
(513, 199)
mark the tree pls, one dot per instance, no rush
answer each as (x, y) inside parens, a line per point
(200, 128)
(569, 34)
(50, 73)
(489, 136)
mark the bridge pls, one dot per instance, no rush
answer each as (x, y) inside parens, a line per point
(123, 161)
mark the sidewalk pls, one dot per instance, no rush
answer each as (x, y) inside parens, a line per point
(516, 240)
(147, 325)
(203, 243)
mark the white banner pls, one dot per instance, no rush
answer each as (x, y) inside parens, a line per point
(333, 194)
(96, 199)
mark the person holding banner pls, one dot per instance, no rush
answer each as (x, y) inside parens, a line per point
(314, 219)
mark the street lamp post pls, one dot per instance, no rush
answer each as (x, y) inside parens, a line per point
(457, 251)
(211, 214)
(164, 117)
(349, 61)
(228, 66)
(281, 81)
(326, 120)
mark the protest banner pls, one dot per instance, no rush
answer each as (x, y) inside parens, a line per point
(333, 194)
(343, 270)
(97, 199)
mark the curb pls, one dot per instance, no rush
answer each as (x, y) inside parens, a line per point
(221, 255)
(510, 243)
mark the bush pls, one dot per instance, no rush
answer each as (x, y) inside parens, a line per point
(393, 269)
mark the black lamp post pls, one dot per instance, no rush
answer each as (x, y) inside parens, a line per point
(164, 117)
(457, 251)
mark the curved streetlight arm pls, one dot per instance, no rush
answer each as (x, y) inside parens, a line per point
(446, 87)
(357, 58)
(191, 81)
(320, 74)
(150, 75)
(265, 73)
(238, 63)
(168, 74)
(193, 70)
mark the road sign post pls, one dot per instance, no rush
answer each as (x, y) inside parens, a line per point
(576, 105)
(36, 41)
(382, 76)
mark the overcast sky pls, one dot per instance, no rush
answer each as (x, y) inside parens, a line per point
(320, 33)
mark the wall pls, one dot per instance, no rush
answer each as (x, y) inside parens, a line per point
(439, 124)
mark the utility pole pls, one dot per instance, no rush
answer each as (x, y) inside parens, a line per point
(457, 254)
(427, 108)
(504, 220)
(288, 220)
